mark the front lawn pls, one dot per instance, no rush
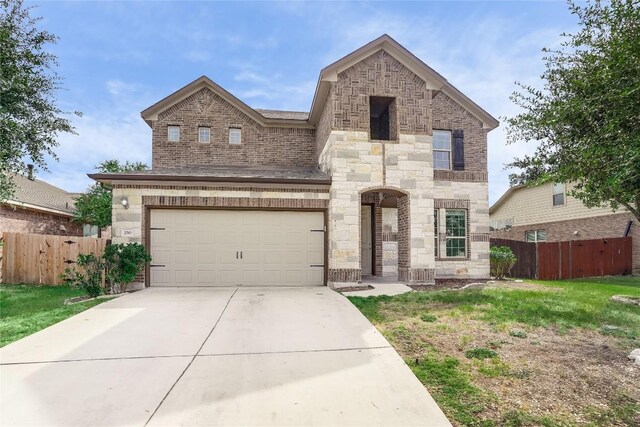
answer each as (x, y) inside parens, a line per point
(521, 354)
(25, 309)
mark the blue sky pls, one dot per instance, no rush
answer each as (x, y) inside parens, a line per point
(118, 58)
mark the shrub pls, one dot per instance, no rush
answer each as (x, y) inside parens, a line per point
(480, 353)
(120, 264)
(428, 318)
(88, 277)
(123, 262)
(502, 259)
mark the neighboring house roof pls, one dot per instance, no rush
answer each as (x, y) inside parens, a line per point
(212, 173)
(507, 194)
(39, 195)
(329, 74)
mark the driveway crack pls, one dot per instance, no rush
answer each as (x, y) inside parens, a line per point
(192, 359)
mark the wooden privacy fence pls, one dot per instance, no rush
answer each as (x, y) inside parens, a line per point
(570, 259)
(41, 259)
(584, 258)
(526, 267)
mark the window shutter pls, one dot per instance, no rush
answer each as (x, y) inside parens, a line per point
(458, 150)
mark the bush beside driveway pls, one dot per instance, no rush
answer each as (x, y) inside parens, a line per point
(519, 354)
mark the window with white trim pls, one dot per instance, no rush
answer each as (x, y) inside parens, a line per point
(235, 136)
(535, 235)
(173, 133)
(436, 241)
(442, 149)
(204, 134)
(456, 231)
(558, 194)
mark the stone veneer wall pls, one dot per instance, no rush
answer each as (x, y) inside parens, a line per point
(266, 146)
(21, 220)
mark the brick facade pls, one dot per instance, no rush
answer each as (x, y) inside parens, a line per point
(260, 145)
(597, 227)
(20, 220)
(360, 168)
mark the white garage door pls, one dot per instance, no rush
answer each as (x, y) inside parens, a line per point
(228, 248)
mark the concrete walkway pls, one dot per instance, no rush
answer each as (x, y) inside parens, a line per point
(212, 356)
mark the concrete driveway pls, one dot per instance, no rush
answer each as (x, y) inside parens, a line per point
(212, 356)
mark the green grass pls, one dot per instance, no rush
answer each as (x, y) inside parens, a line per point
(565, 304)
(25, 309)
(560, 305)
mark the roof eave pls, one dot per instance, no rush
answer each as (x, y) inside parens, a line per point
(108, 178)
(150, 114)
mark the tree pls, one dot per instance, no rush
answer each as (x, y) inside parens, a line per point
(586, 119)
(94, 206)
(29, 118)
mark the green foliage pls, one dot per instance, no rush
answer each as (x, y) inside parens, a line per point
(480, 353)
(429, 318)
(26, 309)
(29, 118)
(89, 275)
(95, 205)
(120, 264)
(517, 334)
(123, 262)
(452, 388)
(502, 259)
(585, 119)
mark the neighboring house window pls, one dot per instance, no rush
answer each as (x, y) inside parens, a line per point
(204, 134)
(442, 149)
(456, 225)
(436, 242)
(89, 230)
(501, 224)
(235, 136)
(535, 235)
(558, 194)
(173, 133)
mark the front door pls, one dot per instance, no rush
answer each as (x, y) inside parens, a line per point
(366, 246)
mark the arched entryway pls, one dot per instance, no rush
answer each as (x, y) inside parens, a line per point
(384, 234)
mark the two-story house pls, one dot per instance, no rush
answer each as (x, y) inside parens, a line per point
(385, 175)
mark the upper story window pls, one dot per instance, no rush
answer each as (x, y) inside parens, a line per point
(442, 149)
(382, 118)
(204, 134)
(558, 194)
(235, 136)
(173, 133)
(535, 235)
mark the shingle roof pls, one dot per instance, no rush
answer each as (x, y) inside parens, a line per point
(222, 173)
(42, 194)
(283, 114)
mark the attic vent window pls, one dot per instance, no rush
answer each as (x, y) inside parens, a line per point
(383, 118)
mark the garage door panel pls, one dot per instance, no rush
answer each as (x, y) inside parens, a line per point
(201, 248)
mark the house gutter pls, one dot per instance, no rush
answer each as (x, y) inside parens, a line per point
(108, 178)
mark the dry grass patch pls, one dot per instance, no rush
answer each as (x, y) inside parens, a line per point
(560, 352)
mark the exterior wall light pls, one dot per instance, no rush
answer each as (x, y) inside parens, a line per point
(124, 201)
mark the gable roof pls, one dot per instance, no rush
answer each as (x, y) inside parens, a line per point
(39, 195)
(506, 196)
(329, 74)
(264, 117)
(433, 79)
